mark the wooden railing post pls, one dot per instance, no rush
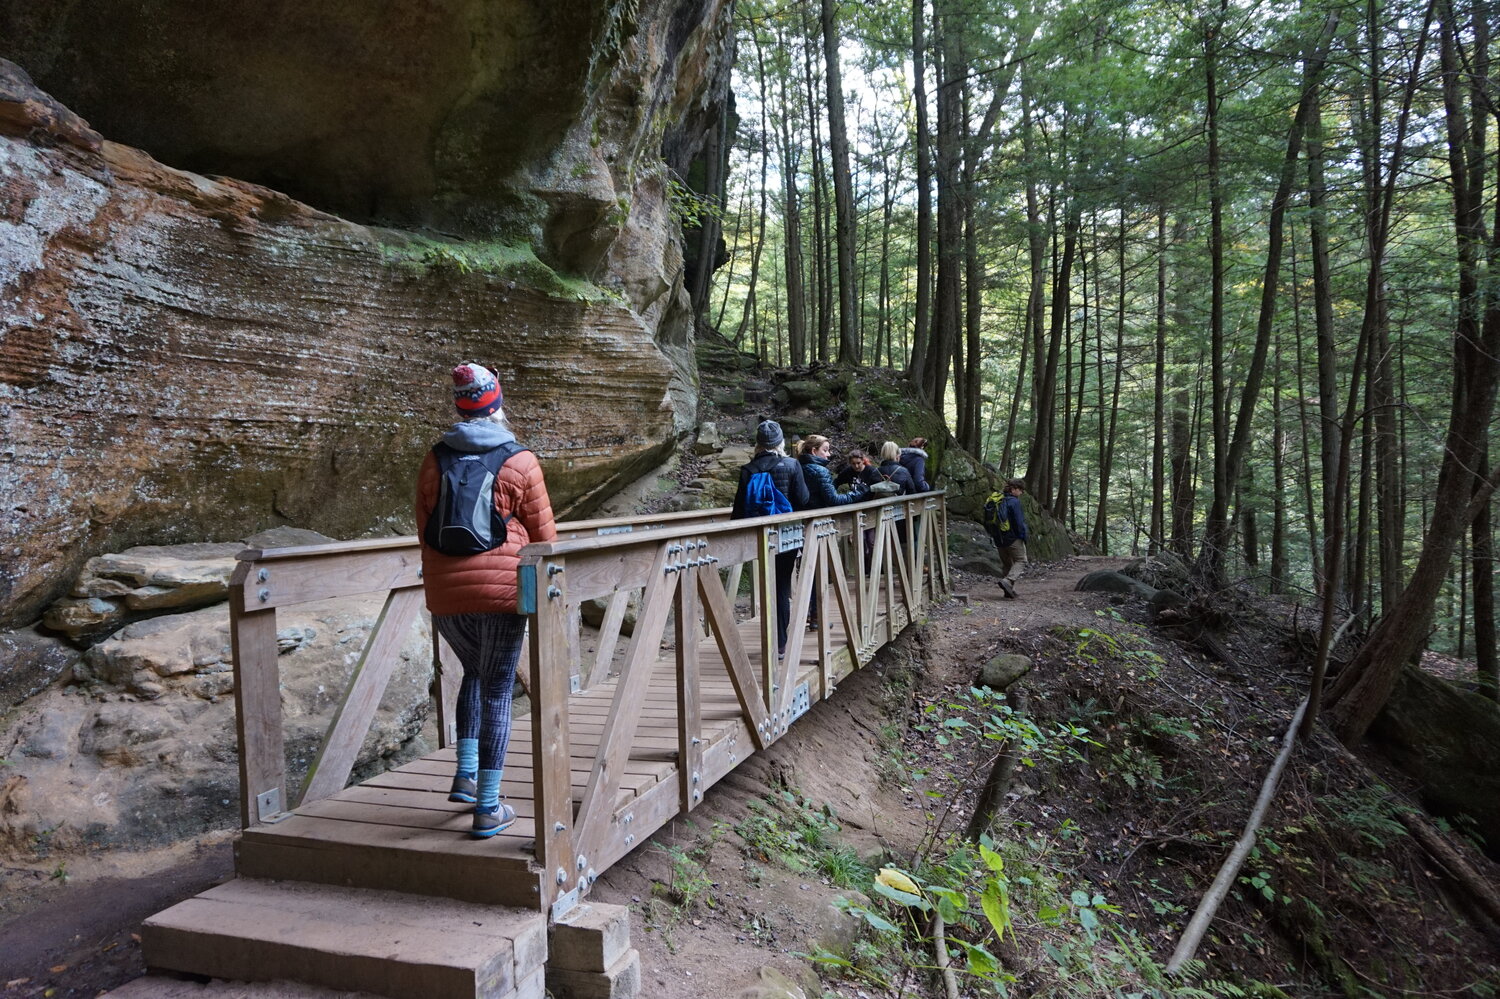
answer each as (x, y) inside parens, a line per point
(544, 599)
(766, 603)
(447, 676)
(687, 632)
(861, 611)
(257, 703)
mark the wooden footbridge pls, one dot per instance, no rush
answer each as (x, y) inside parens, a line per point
(624, 733)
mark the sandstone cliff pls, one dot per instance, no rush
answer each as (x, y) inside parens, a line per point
(185, 357)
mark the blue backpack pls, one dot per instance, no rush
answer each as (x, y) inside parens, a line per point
(762, 498)
(465, 521)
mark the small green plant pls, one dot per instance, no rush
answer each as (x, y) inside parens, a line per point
(691, 209)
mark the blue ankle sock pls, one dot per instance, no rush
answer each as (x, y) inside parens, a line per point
(489, 791)
(468, 757)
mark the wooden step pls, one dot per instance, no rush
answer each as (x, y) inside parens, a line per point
(165, 987)
(380, 942)
(380, 856)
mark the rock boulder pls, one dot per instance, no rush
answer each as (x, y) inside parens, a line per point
(140, 748)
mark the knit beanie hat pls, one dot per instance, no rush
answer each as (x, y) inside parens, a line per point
(768, 434)
(476, 390)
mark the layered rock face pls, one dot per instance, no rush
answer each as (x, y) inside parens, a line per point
(186, 358)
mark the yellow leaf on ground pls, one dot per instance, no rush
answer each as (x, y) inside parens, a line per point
(892, 878)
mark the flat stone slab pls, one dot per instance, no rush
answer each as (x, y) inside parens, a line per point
(164, 987)
(380, 942)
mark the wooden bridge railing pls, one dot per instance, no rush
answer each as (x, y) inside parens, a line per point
(874, 566)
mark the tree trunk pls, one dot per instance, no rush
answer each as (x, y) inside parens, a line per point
(1158, 405)
(843, 194)
(796, 295)
(916, 370)
(1484, 589)
(1216, 535)
(1365, 685)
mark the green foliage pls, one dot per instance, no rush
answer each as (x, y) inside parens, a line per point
(791, 831)
(691, 209)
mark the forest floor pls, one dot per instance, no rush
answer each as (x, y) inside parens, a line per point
(1132, 821)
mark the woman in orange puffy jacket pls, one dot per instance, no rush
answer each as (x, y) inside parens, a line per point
(472, 597)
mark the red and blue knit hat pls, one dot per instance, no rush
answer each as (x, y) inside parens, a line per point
(476, 390)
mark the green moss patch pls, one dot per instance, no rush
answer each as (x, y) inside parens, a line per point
(518, 262)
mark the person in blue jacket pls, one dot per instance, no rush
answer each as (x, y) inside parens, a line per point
(1010, 537)
(814, 456)
(771, 456)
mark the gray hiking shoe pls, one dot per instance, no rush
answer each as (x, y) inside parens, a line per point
(487, 824)
(1010, 591)
(464, 790)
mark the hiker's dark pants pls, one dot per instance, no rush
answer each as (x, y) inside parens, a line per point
(786, 562)
(489, 646)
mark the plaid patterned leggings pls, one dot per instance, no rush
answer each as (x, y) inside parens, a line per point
(489, 646)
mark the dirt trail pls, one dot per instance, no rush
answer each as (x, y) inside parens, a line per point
(741, 914)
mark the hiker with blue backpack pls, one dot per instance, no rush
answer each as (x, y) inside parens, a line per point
(480, 498)
(772, 483)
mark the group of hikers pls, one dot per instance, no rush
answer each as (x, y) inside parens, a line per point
(481, 498)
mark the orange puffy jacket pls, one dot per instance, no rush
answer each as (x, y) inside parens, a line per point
(485, 583)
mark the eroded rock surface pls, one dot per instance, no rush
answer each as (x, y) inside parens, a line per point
(140, 749)
(186, 357)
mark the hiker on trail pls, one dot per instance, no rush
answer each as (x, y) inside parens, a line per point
(814, 455)
(859, 469)
(469, 572)
(1006, 523)
(914, 460)
(891, 469)
(772, 483)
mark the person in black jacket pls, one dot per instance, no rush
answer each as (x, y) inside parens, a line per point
(892, 470)
(770, 456)
(914, 460)
(859, 469)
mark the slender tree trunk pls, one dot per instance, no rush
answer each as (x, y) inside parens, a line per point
(765, 156)
(843, 194)
(1366, 684)
(1039, 460)
(1484, 588)
(1107, 438)
(796, 295)
(1158, 536)
(916, 370)
(822, 286)
(1216, 533)
(1322, 283)
(1216, 536)
(949, 301)
(1310, 514)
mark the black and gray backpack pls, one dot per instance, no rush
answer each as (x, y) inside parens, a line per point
(465, 521)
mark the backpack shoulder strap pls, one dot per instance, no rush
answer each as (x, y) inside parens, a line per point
(496, 457)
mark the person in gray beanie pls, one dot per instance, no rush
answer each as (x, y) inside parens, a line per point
(785, 476)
